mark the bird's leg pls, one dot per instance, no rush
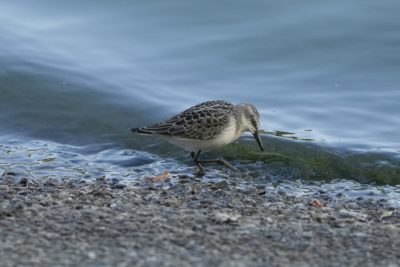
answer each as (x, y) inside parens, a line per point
(196, 160)
(219, 161)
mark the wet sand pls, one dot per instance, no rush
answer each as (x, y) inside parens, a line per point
(103, 223)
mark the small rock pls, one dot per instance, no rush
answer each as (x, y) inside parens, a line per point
(118, 186)
(315, 203)
(346, 214)
(91, 255)
(269, 220)
(172, 201)
(386, 214)
(222, 217)
(262, 192)
(23, 181)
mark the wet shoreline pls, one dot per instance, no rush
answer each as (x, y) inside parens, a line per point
(53, 222)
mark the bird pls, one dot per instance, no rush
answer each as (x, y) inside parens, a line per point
(207, 126)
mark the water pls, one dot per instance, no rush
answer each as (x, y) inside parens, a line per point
(324, 77)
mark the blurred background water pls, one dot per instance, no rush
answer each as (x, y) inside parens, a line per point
(324, 76)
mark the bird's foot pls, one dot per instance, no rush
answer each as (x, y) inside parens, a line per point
(219, 161)
(201, 168)
(227, 165)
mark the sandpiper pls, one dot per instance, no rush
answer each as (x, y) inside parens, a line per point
(207, 126)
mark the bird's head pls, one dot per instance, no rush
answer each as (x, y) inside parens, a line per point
(250, 121)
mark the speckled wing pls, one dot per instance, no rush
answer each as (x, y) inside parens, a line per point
(202, 122)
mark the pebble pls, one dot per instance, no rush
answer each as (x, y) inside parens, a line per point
(192, 224)
(222, 217)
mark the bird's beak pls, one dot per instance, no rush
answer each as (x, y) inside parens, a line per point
(258, 139)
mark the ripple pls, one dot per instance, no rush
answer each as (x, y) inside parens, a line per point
(43, 159)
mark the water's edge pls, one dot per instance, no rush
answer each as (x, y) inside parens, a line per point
(292, 166)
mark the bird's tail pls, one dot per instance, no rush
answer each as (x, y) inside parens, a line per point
(140, 131)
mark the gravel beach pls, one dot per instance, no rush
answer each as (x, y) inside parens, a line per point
(103, 223)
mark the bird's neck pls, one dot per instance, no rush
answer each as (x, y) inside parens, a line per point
(241, 122)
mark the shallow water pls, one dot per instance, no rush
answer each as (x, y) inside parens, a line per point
(324, 77)
(38, 160)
